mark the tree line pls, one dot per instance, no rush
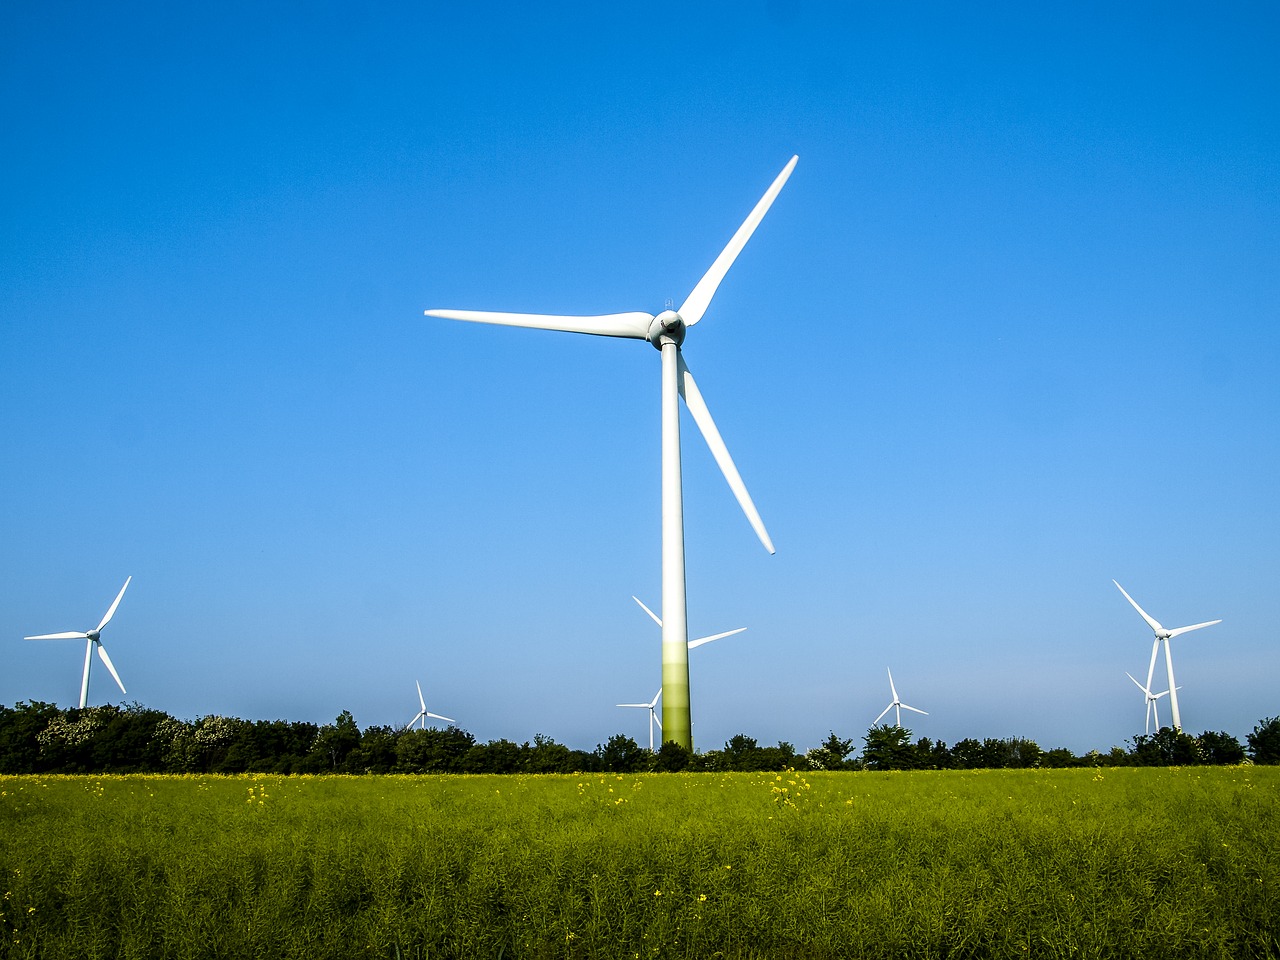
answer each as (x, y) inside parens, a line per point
(40, 737)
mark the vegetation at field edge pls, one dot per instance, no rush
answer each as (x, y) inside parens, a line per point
(42, 738)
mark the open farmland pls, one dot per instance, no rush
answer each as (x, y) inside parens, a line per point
(1129, 862)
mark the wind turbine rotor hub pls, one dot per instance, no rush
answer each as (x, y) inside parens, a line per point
(667, 326)
(94, 635)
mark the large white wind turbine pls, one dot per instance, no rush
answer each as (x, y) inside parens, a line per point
(1152, 699)
(692, 643)
(651, 706)
(424, 713)
(1164, 635)
(896, 705)
(92, 639)
(666, 332)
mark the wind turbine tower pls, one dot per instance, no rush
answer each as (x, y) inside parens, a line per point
(896, 704)
(424, 712)
(651, 706)
(1152, 699)
(92, 638)
(1164, 635)
(666, 332)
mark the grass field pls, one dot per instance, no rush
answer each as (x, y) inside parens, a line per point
(1126, 862)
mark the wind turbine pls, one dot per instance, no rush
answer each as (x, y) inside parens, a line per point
(653, 715)
(666, 332)
(424, 713)
(1152, 698)
(692, 643)
(896, 705)
(1164, 635)
(92, 639)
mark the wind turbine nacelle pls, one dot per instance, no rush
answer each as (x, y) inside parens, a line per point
(667, 325)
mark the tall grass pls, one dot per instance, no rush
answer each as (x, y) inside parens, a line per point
(1130, 862)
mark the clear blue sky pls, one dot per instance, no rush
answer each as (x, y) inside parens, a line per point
(1009, 332)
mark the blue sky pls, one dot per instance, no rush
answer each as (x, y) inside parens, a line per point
(1009, 332)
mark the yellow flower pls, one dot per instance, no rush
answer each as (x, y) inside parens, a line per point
(657, 893)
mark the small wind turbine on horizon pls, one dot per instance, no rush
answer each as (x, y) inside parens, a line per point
(424, 713)
(896, 705)
(692, 643)
(1152, 699)
(1164, 635)
(651, 706)
(92, 638)
(666, 332)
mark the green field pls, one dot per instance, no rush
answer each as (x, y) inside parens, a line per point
(1126, 862)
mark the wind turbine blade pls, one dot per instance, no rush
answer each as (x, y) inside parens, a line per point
(1152, 623)
(645, 705)
(654, 702)
(719, 636)
(914, 709)
(1145, 690)
(882, 713)
(892, 688)
(112, 612)
(415, 719)
(420, 700)
(632, 325)
(695, 305)
(60, 636)
(1194, 626)
(438, 717)
(656, 719)
(1157, 696)
(654, 616)
(102, 652)
(702, 417)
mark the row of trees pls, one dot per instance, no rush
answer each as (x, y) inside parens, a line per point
(890, 748)
(42, 738)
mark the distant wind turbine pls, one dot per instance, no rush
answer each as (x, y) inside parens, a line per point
(692, 643)
(92, 639)
(666, 332)
(424, 713)
(1152, 699)
(896, 705)
(651, 706)
(1164, 635)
